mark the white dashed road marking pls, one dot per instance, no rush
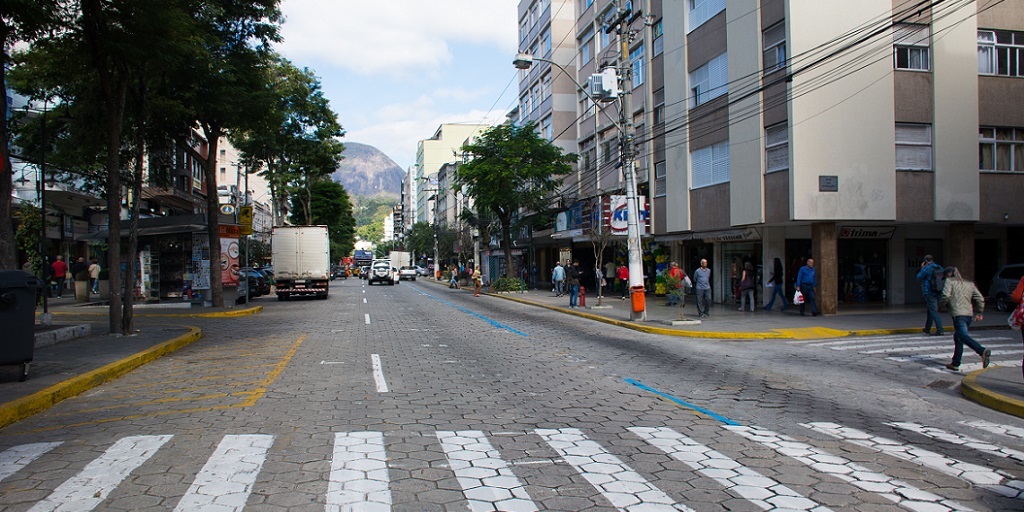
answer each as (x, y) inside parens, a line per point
(91, 486)
(226, 480)
(367, 319)
(378, 374)
(486, 479)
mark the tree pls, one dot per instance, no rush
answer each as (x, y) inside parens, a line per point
(20, 21)
(330, 206)
(600, 238)
(512, 169)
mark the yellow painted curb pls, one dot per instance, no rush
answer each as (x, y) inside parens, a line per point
(219, 314)
(39, 401)
(972, 391)
(650, 329)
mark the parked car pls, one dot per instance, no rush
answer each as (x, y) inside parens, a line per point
(422, 272)
(1003, 284)
(408, 273)
(262, 281)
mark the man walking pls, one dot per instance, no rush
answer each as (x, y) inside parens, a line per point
(60, 274)
(622, 274)
(807, 280)
(702, 282)
(926, 277)
(966, 305)
(94, 276)
(573, 280)
(558, 278)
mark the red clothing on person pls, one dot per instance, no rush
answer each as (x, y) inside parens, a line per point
(622, 272)
(60, 269)
(677, 273)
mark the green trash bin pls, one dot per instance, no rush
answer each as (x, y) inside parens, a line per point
(18, 316)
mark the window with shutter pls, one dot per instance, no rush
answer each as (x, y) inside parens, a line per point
(776, 148)
(913, 147)
(774, 47)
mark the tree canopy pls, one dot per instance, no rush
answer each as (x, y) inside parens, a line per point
(512, 170)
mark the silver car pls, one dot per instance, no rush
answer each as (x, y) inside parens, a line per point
(1003, 284)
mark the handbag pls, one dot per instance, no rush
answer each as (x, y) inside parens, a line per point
(798, 297)
(1016, 319)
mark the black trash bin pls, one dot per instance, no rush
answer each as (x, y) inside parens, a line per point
(18, 316)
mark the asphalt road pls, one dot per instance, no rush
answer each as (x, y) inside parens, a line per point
(412, 397)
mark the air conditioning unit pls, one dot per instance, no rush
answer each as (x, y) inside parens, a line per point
(604, 86)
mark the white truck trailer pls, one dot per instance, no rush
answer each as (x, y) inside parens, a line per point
(302, 261)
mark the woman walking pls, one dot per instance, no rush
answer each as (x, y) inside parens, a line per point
(776, 286)
(747, 285)
(478, 282)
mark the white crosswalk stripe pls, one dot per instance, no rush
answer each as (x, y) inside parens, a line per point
(359, 473)
(360, 477)
(226, 480)
(485, 477)
(933, 352)
(993, 480)
(91, 486)
(15, 458)
(892, 489)
(970, 442)
(760, 490)
(614, 479)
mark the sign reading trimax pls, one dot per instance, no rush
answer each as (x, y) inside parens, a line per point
(866, 232)
(616, 218)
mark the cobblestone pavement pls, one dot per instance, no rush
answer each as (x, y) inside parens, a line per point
(413, 398)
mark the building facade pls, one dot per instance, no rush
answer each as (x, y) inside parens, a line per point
(847, 132)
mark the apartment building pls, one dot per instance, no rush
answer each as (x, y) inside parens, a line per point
(863, 134)
(444, 147)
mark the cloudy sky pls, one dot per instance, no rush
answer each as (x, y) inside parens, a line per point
(394, 70)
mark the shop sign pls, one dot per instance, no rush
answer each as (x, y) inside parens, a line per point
(853, 232)
(617, 218)
(734, 235)
(200, 261)
(229, 230)
(245, 219)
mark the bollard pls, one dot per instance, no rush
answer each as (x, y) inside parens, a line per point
(583, 297)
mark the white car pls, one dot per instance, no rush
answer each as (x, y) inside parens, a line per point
(381, 272)
(408, 273)
(422, 271)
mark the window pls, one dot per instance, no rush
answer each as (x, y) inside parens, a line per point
(586, 49)
(776, 148)
(545, 90)
(534, 14)
(1001, 149)
(911, 47)
(660, 187)
(636, 61)
(709, 165)
(659, 107)
(774, 47)
(585, 4)
(586, 105)
(1001, 52)
(709, 81)
(701, 11)
(913, 147)
(609, 150)
(546, 132)
(658, 45)
(524, 29)
(545, 42)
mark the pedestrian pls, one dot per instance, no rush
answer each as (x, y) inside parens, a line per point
(454, 281)
(777, 286)
(747, 286)
(806, 281)
(94, 276)
(478, 282)
(572, 279)
(702, 280)
(966, 305)
(927, 278)
(622, 275)
(534, 274)
(80, 273)
(678, 294)
(1017, 296)
(60, 275)
(558, 278)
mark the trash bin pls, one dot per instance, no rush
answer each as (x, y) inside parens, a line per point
(17, 315)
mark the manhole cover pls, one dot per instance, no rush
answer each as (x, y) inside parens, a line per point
(946, 384)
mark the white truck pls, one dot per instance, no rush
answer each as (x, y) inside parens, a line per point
(302, 261)
(400, 259)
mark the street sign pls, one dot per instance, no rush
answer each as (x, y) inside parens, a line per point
(245, 220)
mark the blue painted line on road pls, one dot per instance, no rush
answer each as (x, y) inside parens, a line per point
(495, 323)
(683, 403)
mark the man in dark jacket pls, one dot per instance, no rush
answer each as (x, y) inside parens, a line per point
(931, 296)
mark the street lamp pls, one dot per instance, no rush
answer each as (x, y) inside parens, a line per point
(624, 126)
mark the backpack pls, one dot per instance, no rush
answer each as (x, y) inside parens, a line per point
(938, 280)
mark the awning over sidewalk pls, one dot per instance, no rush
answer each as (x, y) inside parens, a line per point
(155, 226)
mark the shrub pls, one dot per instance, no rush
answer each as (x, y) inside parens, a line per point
(508, 284)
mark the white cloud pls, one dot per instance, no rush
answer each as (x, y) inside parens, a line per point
(395, 37)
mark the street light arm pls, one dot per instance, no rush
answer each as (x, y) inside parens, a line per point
(525, 60)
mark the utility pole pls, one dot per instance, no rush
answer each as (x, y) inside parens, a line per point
(627, 150)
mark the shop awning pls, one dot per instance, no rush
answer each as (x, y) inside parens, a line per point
(156, 226)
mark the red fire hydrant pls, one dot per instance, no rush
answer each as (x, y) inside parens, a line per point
(583, 297)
